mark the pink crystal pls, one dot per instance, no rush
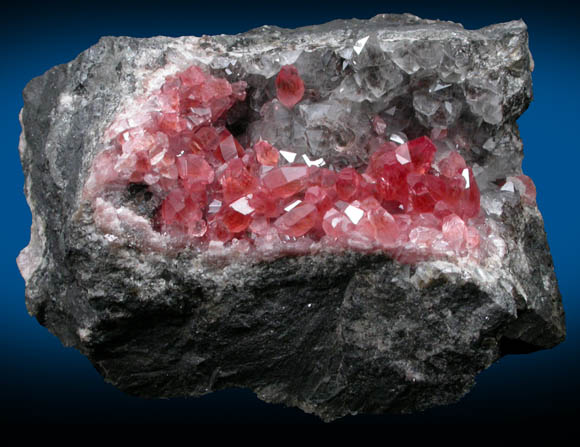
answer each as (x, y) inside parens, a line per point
(193, 169)
(337, 225)
(228, 147)
(235, 221)
(454, 231)
(347, 183)
(452, 165)
(323, 198)
(286, 181)
(423, 237)
(266, 153)
(526, 188)
(265, 204)
(383, 226)
(236, 180)
(289, 86)
(422, 152)
(218, 231)
(205, 139)
(379, 125)
(298, 221)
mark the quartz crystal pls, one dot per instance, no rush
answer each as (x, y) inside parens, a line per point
(334, 217)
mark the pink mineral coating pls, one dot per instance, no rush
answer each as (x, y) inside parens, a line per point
(216, 193)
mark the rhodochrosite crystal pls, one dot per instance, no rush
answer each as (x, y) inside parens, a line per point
(334, 217)
(289, 86)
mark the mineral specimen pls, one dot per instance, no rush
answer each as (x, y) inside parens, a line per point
(333, 216)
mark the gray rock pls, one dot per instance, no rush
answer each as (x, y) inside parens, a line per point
(330, 334)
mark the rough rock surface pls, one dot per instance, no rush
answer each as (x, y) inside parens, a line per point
(330, 334)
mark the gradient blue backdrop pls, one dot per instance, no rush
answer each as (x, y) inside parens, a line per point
(42, 381)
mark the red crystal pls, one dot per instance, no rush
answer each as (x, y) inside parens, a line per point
(298, 221)
(323, 198)
(422, 152)
(337, 225)
(289, 86)
(425, 191)
(266, 153)
(194, 171)
(265, 204)
(213, 191)
(205, 139)
(236, 180)
(234, 221)
(347, 183)
(286, 181)
(452, 165)
(392, 187)
(228, 147)
(218, 231)
(173, 204)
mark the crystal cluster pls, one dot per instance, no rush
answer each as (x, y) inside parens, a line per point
(409, 200)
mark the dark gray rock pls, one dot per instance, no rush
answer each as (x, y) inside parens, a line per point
(332, 335)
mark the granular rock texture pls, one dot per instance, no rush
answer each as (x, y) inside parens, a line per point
(334, 217)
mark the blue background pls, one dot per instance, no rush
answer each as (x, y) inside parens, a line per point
(41, 381)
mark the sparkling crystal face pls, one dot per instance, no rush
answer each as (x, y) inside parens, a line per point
(210, 193)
